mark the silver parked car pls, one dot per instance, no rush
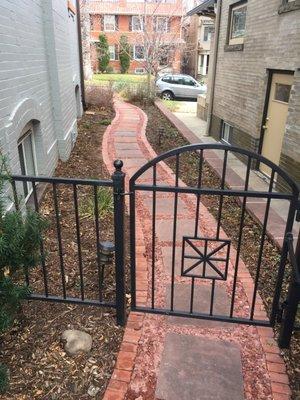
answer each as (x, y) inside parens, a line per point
(170, 86)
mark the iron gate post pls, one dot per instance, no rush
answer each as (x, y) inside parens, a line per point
(293, 299)
(118, 178)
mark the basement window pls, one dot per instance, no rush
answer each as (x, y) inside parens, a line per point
(226, 132)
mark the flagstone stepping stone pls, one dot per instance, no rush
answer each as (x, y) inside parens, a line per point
(196, 368)
(201, 304)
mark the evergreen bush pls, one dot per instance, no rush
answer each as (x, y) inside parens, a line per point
(124, 54)
(20, 238)
(103, 53)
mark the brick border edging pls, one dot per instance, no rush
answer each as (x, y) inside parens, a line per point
(193, 139)
(120, 378)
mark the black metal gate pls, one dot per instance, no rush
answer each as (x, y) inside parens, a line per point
(194, 266)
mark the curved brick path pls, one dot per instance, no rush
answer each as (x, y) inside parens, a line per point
(147, 336)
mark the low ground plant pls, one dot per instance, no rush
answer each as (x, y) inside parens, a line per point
(105, 204)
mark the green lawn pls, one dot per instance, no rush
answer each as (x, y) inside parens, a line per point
(130, 78)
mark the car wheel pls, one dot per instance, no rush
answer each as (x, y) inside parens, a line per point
(167, 95)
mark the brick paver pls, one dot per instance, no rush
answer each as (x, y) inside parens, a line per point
(137, 366)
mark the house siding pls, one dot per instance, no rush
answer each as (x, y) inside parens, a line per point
(39, 70)
(272, 42)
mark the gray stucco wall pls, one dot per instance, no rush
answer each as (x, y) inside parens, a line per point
(272, 41)
(39, 71)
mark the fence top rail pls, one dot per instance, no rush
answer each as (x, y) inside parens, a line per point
(223, 147)
(211, 191)
(60, 180)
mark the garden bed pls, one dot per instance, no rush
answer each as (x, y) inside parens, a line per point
(39, 367)
(170, 139)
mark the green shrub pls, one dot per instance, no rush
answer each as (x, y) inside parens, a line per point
(139, 93)
(103, 52)
(124, 54)
(105, 203)
(4, 379)
(20, 239)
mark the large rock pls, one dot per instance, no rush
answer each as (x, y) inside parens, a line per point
(76, 341)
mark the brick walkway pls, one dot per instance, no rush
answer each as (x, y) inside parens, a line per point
(146, 367)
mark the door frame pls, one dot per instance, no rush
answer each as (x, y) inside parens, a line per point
(270, 73)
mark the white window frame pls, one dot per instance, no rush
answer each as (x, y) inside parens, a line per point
(208, 34)
(112, 47)
(225, 137)
(28, 132)
(134, 54)
(107, 16)
(166, 24)
(140, 21)
(237, 40)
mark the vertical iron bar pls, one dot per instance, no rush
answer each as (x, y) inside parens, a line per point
(60, 249)
(153, 238)
(283, 259)
(261, 246)
(204, 262)
(212, 296)
(222, 197)
(78, 240)
(118, 178)
(174, 231)
(99, 267)
(238, 250)
(132, 245)
(15, 195)
(192, 295)
(293, 298)
(42, 250)
(198, 195)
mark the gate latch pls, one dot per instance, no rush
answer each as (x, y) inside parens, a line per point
(283, 306)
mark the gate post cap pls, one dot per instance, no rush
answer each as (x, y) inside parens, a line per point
(118, 164)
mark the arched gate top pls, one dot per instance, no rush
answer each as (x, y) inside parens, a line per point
(226, 148)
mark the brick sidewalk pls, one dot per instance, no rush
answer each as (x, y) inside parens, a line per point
(138, 363)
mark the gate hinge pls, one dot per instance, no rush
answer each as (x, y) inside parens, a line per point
(123, 194)
(282, 307)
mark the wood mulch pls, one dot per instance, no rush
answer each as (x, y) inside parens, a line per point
(230, 221)
(39, 367)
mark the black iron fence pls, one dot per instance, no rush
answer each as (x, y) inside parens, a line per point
(290, 306)
(197, 257)
(82, 253)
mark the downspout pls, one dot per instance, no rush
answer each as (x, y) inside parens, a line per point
(214, 67)
(80, 56)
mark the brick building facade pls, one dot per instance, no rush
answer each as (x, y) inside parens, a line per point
(40, 91)
(253, 96)
(198, 33)
(132, 18)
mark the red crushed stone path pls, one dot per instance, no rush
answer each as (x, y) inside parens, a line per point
(137, 366)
